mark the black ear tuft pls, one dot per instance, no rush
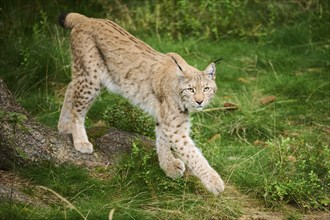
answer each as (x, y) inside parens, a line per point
(61, 19)
(176, 62)
(218, 60)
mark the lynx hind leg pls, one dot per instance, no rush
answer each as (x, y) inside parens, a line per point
(173, 167)
(84, 94)
(88, 70)
(65, 121)
(86, 88)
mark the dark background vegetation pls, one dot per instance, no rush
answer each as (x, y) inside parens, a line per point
(276, 151)
(28, 28)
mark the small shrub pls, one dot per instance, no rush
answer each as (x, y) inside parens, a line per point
(127, 117)
(301, 175)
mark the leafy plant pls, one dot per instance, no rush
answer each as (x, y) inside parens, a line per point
(121, 114)
(300, 175)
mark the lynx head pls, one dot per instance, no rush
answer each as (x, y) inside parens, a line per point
(196, 88)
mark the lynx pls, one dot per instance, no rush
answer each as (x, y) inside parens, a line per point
(163, 85)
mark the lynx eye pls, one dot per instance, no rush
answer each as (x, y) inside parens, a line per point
(206, 89)
(191, 90)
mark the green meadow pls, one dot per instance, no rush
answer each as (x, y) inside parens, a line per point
(266, 132)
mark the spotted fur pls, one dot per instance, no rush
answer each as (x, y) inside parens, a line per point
(164, 85)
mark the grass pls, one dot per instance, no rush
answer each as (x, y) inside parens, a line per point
(136, 191)
(276, 152)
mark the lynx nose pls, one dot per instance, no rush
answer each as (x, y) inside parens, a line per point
(199, 102)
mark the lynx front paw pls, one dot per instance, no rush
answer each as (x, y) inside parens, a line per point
(175, 169)
(213, 183)
(84, 147)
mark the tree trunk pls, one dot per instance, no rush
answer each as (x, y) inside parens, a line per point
(23, 140)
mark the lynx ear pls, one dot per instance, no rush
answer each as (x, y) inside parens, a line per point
(210, 71)
(181, 73)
